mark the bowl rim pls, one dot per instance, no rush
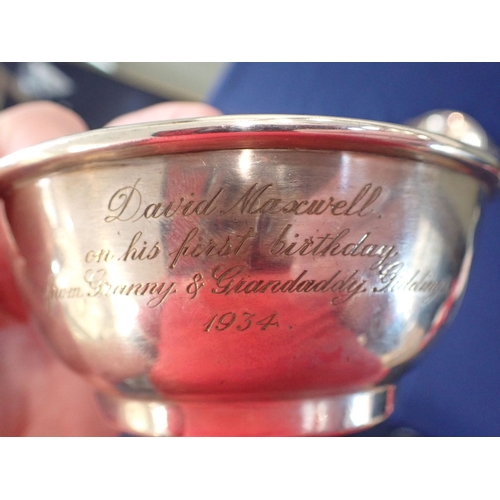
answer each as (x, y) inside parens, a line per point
(229, 132)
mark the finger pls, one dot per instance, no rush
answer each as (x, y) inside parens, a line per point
(38, 395)
(22, 126)
(166, 111)
(31, 123)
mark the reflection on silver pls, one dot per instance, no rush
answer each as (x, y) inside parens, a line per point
(453, 124)
(254, 275)
(144, 418)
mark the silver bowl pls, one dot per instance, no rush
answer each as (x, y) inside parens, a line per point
(245, 275)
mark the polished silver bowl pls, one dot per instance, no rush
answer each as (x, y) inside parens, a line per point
(245, 275)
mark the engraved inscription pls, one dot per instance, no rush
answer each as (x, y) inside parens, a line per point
(101, 287)
(257, 200)
(127, 204)
(332, 245)
(230, 280)
(99, 256)
(241, 322)
(55, 293)
(393, 280)
(364, 262)
(195, 245)
(195, 286)
(140, 250)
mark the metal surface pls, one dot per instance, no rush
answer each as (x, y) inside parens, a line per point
(241, 275)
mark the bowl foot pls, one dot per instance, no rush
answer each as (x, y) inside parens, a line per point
(321, 416)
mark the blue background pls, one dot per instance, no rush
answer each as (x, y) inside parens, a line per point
(452, 389)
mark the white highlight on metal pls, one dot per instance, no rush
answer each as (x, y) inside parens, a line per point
(360, 410)
(245, 163)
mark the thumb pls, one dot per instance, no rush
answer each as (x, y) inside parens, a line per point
(22, 126)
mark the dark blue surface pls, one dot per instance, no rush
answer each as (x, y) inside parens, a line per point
(453, 389)
(96, 97)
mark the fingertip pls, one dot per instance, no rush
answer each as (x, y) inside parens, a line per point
(173, 110)
(34, 122)
(22, 126)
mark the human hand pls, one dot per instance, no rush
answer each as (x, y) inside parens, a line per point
(39, 396)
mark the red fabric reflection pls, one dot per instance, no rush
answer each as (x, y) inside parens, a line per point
(260, 344)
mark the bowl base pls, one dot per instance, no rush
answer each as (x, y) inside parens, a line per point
(322, 416)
